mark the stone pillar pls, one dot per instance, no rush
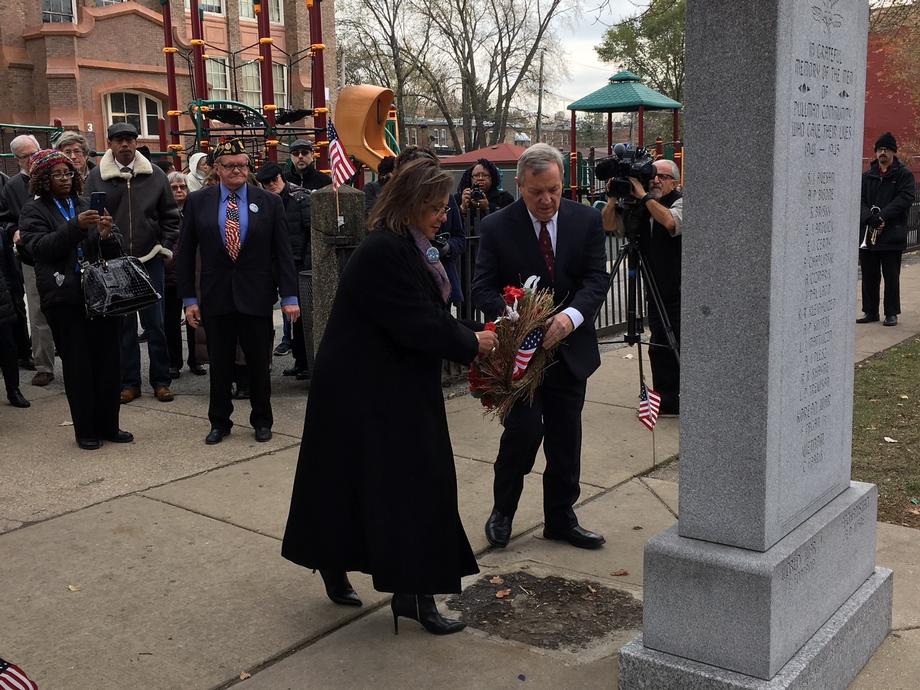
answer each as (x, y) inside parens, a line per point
(769, 578)
(335, 234)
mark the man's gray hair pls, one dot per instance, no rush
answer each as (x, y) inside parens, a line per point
(70, 137)
(176, 176)
(538, 158)
(18, 142)
(675, 170)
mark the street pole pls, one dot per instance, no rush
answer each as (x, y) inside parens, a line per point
(540, 98)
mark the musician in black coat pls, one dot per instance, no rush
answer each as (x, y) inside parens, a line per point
(562, 242)
(241, 233)
(376, 488)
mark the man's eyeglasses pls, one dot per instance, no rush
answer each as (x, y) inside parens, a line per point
(234, 166)
(665, 177)
(61, 176)
(301, 152)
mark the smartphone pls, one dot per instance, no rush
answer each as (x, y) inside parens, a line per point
(97, 202)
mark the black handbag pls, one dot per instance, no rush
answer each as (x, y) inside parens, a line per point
(112, 287)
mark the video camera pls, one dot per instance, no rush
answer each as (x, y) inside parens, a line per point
(622, 165)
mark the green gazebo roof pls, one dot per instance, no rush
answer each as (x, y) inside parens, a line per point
(624, 93)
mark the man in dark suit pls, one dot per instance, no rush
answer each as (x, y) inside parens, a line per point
(562, 242)
(241, 233)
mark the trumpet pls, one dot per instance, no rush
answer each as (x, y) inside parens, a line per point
(871, 234)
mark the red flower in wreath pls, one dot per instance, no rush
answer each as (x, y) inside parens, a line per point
(512, 293)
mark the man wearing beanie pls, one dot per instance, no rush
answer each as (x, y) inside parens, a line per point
(887, 195)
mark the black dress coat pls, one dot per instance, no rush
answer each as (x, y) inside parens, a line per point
(376, 487)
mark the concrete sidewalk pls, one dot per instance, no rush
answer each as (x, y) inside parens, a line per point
(158, 565)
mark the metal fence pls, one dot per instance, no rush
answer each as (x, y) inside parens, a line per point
(610, 319)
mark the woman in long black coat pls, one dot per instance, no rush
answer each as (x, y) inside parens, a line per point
(376, 488)
(58, 231)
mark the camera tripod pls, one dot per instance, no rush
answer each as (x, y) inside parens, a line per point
(638, 273)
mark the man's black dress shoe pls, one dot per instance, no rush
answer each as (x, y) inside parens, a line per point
(197, 369)
(576, 536)
(17, 399)
(891, 320)
(89, 443)
(263, 433)
(498, 528)
(216, 436)
(867, 318)
(120, 437)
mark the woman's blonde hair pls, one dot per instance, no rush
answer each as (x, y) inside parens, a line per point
(413, 186)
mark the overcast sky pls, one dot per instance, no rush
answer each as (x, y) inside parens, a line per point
(586, 72)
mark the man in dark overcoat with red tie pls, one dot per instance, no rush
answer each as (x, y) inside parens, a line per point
(562, 242)
(242, 235)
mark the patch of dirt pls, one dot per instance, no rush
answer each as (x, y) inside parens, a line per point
(549, 612)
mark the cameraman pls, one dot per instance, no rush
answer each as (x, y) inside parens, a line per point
(661, 211)
(888, 188)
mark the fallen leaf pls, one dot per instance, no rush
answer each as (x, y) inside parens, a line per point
(888, 439)
(497, 580)
(502, 593)
(592, 590)
(630, 356)
(620, 573)
(73, 588)
(904, 397)
(244, 675)
(66, 424)
(914, 511)
(637, 527)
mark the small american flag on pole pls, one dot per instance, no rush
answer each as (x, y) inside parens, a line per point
(525, 352)
(342, 169)
(13, 678)
(649, 402)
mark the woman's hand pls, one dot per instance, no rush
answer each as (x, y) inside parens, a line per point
(88, 219)
(487, 342)
(465, 199)
(104, 226)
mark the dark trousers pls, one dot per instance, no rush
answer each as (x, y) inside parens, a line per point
(152, 322)
(8, 354)
(172, 305)
(255, 335)
(90, 351)
(665, 367)
(21, 328)
(875, 265)
(554, 419)
(297, 345)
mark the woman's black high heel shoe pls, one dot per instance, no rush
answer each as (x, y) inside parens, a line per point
(339, 589)
(421, 607)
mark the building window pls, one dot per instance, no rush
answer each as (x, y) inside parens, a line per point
(251, 93)
(275, 13)
(140, 110)
(106, 3)
(279, 82)
(213, 6)
(58, 11)
(218, 76)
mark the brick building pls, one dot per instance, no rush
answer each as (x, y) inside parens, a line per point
(89, 63)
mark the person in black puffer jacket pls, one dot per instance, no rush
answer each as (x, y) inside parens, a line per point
(58, 231)
(887, 194)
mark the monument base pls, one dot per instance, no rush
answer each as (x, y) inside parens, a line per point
(830, 659)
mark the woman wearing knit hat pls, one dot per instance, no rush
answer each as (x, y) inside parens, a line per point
(58, 232)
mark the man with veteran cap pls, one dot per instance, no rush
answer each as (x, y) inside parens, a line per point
(241, 233)
(301, 169)
(138, 196)
(887, 195)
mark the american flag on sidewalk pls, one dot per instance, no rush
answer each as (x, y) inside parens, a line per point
(13, 678)
(528, 346)
(649, 402)
(342, 169)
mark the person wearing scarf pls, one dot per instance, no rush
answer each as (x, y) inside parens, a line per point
(59, 232)
(375, 489)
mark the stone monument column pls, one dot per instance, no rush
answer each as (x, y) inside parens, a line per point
(769, 578)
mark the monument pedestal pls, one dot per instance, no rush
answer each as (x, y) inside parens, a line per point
(830, 659)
